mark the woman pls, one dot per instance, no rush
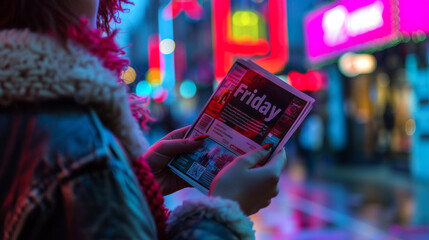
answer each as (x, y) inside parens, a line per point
(73, 161)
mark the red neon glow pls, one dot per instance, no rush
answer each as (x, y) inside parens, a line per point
(226, 48)
(191, 8)
(310, 81)
(153, 51)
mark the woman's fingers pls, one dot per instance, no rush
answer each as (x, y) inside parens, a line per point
(176, 134)
(173, 147)
(251, 159)
(252, 187)
(277, 163)
(269, 174)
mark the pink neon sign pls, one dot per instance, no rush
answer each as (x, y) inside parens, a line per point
(348, 25)
(413, 15)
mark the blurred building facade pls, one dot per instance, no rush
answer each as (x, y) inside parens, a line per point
(378, 49)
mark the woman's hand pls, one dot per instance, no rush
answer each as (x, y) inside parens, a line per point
(251, 186)
(159, 155)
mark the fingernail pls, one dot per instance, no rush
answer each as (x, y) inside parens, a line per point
(268, 146)
(201, 137)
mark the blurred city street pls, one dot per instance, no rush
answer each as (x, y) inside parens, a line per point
(346, 203)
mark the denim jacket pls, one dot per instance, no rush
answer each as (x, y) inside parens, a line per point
(64, 176)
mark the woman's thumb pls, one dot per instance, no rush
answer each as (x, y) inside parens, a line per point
(177, 146)
(253, 158)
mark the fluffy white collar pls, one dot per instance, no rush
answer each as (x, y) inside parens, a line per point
(35, 67)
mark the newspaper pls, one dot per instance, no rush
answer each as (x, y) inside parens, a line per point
(249, 108)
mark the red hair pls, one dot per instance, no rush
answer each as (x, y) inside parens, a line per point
(54, 16)
(108, 11)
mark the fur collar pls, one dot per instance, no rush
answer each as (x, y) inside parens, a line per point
(35, 67)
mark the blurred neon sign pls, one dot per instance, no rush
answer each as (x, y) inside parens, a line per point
(270, 52)
(153, 75)
(348, 26)
(412, 16)
(191, 8)
(339, 24)
(153, 51)
(246, 25)
(310, 81)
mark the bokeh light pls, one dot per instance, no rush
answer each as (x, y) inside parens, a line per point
(310, 81)
(160, 94)
(143, 88)
(188, 89)
(129, 75)
(410, 127)
(418, 36)
(167, 46)
(351, 64)
(153, 76)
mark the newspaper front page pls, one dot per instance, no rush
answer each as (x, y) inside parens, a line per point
(249, 108)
